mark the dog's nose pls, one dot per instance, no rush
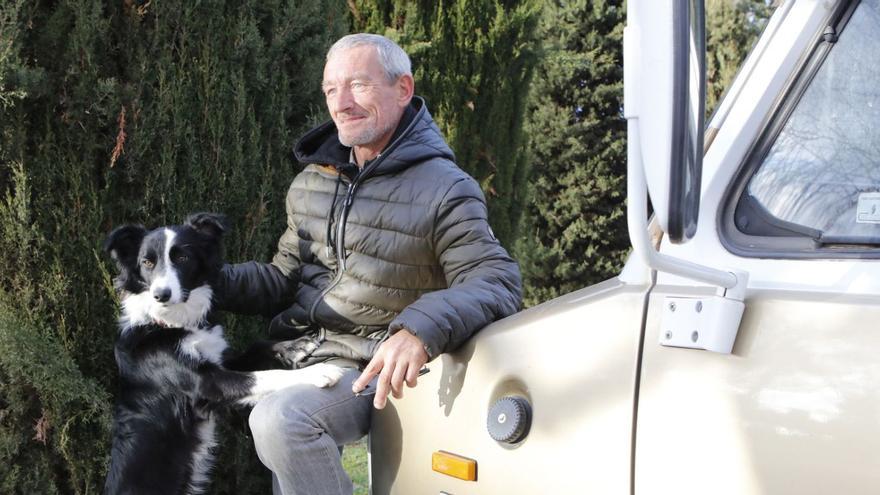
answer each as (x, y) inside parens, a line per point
(162, 295)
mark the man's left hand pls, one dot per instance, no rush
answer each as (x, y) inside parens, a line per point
(397, 360)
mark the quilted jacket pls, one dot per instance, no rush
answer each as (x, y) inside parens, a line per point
(403, 242)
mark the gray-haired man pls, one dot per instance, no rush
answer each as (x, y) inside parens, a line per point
(387, 261)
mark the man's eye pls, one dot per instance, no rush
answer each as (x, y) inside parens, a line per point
(148, 264)
(329, 91)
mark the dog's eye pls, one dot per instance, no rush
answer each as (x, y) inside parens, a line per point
(148, 264)
(181, 259)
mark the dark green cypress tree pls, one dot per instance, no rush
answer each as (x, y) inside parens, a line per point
(732, 27)
(575, 228)
(472, 61)
(575, 231)
(131, 111)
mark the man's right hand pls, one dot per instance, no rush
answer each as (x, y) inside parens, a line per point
(398, 360)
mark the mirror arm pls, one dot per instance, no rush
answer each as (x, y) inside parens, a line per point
(637, 223)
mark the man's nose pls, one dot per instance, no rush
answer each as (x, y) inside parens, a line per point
(342, 100)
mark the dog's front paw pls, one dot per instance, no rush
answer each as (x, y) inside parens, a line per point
(323, 375)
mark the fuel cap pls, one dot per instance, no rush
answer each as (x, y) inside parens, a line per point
(509, 419)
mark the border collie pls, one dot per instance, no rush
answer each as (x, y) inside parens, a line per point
(175, 368)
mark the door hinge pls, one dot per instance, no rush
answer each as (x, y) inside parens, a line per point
(703, 322)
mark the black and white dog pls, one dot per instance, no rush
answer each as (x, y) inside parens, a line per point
(175, 368)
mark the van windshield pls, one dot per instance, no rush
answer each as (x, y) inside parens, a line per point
(821, 177)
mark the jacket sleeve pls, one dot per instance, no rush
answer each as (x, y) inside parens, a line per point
(253, 288)
(287, 258)
(262, 288)
(484, 283)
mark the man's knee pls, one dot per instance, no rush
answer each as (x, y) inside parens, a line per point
(278, 419)
(298, 415)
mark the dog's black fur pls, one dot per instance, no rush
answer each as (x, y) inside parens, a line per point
(174, 367)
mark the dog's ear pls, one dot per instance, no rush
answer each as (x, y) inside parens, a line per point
(123, 245)
(209, 224)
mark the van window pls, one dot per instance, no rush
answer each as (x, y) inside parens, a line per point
(821, 176)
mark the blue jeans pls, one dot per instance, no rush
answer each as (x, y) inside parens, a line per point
(299, 433)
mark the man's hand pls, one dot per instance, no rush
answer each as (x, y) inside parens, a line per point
(398, 359)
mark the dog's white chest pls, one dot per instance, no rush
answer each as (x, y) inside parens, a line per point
(205, 344)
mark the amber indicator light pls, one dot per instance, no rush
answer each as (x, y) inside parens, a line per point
(454, 465)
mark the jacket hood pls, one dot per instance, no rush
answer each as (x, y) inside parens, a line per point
(416, 139)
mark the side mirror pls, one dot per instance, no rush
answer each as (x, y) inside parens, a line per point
(665, 87)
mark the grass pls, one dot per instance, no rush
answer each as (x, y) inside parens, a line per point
(354, 460)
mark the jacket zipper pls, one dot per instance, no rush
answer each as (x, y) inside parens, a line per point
(343, 218)
(340, 246)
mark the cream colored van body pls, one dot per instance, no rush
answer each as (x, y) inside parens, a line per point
(793, 408)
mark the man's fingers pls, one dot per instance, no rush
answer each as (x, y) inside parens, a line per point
(400, 372)
(383, 386)
(397, 361)
(369, 372)
(412, 376)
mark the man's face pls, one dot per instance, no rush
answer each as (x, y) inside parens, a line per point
(365, 106)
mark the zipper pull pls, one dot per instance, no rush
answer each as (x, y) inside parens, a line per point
(349, 196)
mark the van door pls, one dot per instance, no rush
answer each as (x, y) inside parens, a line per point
(796, 407)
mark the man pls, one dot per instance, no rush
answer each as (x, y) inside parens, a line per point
(388, 260)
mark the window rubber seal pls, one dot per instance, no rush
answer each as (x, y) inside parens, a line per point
(798, 245)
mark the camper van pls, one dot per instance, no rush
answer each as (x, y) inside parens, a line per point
(737, 350)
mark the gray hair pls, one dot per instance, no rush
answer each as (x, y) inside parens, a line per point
(395, 62)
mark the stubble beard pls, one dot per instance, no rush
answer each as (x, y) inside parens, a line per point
(365, 137)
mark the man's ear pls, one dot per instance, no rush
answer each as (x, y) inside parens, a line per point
(210, 224)
(405, 90)
(123, 245)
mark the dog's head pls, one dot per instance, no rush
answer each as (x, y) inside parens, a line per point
(163, 268)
